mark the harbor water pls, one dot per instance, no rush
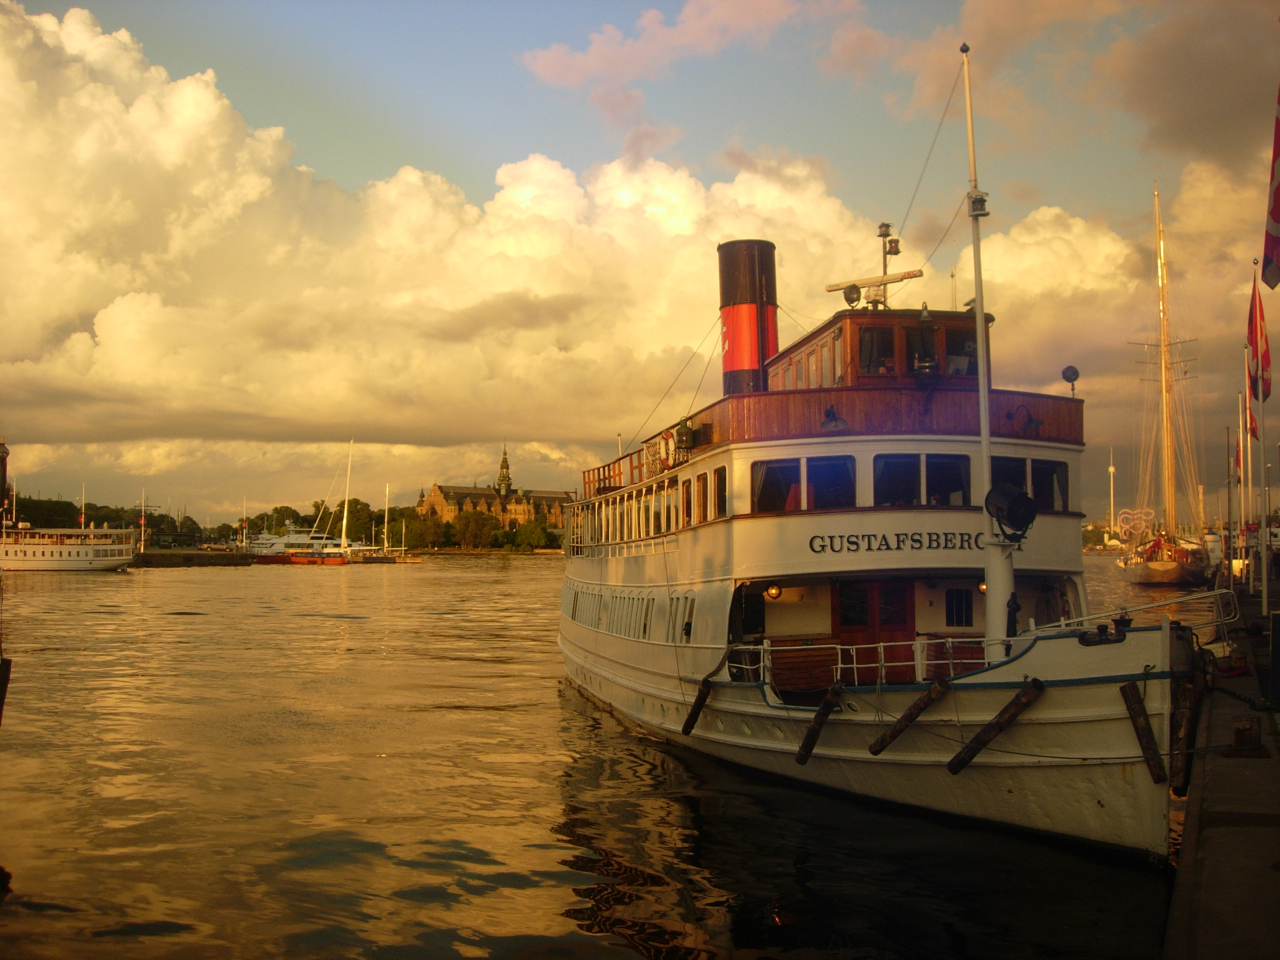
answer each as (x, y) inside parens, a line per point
(385, 761)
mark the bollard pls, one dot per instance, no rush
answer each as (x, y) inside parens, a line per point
(829, 703)
(918, 706)
(1029, 694)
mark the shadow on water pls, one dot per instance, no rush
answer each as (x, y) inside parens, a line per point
(700, 859)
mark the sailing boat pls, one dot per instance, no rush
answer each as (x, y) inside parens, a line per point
(1167, 557)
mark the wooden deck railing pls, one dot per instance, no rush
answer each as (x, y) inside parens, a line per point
(940, 410)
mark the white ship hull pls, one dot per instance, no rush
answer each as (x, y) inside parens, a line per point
(65, 550)
(1070, 765)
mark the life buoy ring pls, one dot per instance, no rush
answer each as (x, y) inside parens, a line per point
(667, 449)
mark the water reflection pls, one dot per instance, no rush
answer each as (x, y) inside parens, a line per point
(700, 859)
(386, 762)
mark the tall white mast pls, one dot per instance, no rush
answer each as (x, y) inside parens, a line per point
(999, 556)
(346, 497)
(1168, 482)
(386, 518)
(1111, 514)
(81, 504)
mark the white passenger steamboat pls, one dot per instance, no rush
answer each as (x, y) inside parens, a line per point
(801, 578)
(54, 548)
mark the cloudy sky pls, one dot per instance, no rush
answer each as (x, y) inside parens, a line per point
(236, 235)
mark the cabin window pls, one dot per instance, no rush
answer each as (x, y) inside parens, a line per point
(775, 486)
(658, 497)
(962, 353)
(855, 605)
(786, 377)
(1011, 470)
(946, 480)
(876, 352)
(1049, 485)
(897, 480)
(959, 608)
(827, 378)
(673, 504)
(895, 605)
(831, 483)
(720, 481)
(686, 502)
(813, 370)
(701, 484)
(921, 348)
(646, 510)
(800, 384)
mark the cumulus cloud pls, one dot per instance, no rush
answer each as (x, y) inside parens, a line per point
(185, 306)
(1219, 110)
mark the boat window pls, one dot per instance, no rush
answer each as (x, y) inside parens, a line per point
(831, 483)
(895, 605)
(959, 608)
(922, 352)
(775, 486)
(658, 498)
(1049, 485)
(630, 527)
(686, 503)
(701, 484)
(962, 353)
(827, 379)
(876, 353)
(673, 503)
(786, 377)
(720, 480)
(813, 369)
(646, 508)
(800, 384)
(897, 480)
(946, 480)
(1012, 470)
(855, 605)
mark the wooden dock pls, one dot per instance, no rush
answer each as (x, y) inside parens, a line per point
(1226, 900)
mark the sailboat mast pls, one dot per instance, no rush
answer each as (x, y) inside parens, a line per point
(1169, 488)
(346, 497)
(386, 518)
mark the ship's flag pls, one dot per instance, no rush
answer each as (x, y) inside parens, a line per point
(1271, 241)
(1259, 349)
(1253, 421)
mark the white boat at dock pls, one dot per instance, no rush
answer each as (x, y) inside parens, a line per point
(801, 578)
(26, 548)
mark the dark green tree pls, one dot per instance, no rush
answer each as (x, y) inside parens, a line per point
(474, 529)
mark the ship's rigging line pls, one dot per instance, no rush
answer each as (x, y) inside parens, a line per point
(694, 399)
(687, 361)
(946, 233)
(902, 226)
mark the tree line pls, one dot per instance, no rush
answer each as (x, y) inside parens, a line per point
(471, 529)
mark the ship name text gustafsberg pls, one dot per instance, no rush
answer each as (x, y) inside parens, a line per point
(869, 542)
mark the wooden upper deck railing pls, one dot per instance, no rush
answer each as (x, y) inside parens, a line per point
(944, 409)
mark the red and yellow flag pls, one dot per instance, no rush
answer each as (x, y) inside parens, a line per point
(1271, 240)
(1259, 349)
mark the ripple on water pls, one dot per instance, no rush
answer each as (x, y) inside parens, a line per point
(386, 762)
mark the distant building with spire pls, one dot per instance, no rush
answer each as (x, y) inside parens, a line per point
(510, 504)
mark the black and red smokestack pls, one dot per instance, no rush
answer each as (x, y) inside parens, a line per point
(748, 313)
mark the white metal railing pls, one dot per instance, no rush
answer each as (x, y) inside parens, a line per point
(819, 665)
(1215, 608)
